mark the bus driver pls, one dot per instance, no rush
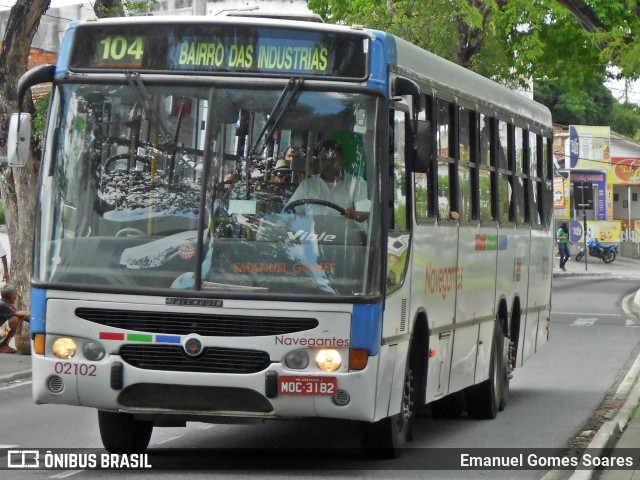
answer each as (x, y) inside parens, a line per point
(332, 184)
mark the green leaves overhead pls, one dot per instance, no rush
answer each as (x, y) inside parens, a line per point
(570, 41)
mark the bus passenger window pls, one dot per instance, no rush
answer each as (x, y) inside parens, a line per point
(464, 182)
(485, 140)
(504, 183)
(464, 137)
(533, 155)
(521, 213)
(421, 198)
(445, 160)
(399, 174)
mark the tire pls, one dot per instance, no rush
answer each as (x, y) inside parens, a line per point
(122, 433)
(506, 371)
(579, 256)
(387, 437)
(483, 400)
(609, 256)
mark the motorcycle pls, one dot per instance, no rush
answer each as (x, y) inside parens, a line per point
(596, 249)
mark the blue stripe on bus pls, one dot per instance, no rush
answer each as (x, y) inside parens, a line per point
(64, 52)
(38, 310)
(366, 327)
(168, 338)
(383, 53)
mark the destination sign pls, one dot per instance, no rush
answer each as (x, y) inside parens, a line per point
(220, 49)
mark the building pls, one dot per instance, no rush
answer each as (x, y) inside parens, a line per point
(609, 165)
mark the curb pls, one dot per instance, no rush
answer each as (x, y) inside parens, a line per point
(18, 376)
(581, 274)
(607, 435)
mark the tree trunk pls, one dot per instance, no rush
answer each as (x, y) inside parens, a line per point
(18, 185)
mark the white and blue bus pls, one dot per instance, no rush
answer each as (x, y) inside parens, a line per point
(174, 280)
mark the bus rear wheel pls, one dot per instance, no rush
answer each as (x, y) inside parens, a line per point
(484, 399)
(122, 433)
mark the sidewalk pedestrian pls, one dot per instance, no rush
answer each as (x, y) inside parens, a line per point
(5, 265)
(562, 238)
(10, 317)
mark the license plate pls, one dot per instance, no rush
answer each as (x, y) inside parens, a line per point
(307, 385)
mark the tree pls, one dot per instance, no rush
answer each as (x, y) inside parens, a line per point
(590, 106)
(509, 40)
(613, 26)
(18, 186)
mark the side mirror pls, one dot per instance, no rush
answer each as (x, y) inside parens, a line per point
(422, 145)
(18, 139)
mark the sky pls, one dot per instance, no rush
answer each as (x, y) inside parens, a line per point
(617, 88)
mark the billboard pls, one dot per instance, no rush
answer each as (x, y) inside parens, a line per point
(589, 147)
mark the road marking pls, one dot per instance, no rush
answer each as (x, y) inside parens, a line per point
(631, 323)
(66, 474)
(14, 385)
(2, 447)
(160, 442)
(584, 322)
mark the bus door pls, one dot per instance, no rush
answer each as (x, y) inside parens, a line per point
(396, 326)
(398, 281)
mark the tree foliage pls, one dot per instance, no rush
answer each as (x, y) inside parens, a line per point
(566, 46)
(570, 41)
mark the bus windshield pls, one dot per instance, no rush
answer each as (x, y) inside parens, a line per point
(278, 186)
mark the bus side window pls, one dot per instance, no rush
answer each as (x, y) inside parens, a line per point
(504, 182)
(398, 241)
(399, 221)
(446, 163)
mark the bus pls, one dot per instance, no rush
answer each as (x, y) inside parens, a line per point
(175, 281)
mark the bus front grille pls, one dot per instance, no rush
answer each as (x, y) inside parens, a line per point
(198, 323)
(211, 360)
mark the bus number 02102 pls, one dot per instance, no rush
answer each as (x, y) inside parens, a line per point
(117, 47)
(81, 369)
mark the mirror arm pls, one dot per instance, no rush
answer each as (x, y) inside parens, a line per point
(35, 76)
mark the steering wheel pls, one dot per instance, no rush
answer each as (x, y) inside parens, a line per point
(312, 201)
(130, 232)
(125, 156)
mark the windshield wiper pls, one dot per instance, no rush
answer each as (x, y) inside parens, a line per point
(145, 101)
(227, 286)
(286, 97)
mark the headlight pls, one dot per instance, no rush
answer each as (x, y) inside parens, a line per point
(328, 360)
(64, 347)
(297, 360)
(93, 351)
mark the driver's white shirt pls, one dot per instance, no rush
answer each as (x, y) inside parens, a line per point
(344, 193)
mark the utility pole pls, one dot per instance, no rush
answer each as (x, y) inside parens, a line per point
(584, 192)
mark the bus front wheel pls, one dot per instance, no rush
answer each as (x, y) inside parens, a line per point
(387, 437)
(122, 433)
